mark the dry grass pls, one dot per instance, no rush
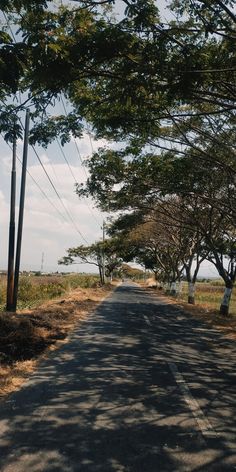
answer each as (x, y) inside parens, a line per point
(208, 297)
(33, 290)
(28, 335)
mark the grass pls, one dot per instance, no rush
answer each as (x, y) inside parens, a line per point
(28, 335)
(33, 290)
(209, 295)
(207, 303)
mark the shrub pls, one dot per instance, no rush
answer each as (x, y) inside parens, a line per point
(35, 289)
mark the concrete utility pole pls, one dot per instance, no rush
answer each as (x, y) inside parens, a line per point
(42, 262)
(21, 209)
(11, 249)
(103, 252)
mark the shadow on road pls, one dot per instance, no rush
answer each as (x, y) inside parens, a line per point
(107, 400)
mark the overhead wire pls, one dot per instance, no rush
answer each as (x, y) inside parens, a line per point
(75, 143)
(40, 161)
(76, 180)
(43, 167)
(56, 192)
(66, 160)
(81, 161)
(58, 195)
(45, 195)
(37, 184)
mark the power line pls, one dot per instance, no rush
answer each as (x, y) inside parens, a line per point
(64, 156)
(90, 139)
(58, 195)
(40, 161)
(75, 180)
(41, 190)
(47, 198)
(81, 161)
(56, 191)
(66, 160)
(75, 143)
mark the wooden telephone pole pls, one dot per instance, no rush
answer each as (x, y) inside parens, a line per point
(11, 249)
(21, 210)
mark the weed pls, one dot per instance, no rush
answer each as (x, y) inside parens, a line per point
(209, 295)
(36, 289)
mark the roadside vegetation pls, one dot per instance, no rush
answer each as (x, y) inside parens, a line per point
(209, 295)
(35, 289)
(30, 333)
(164, 91)
(206, 308)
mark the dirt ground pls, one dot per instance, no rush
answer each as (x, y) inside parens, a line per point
(227, 325)
(29, 335)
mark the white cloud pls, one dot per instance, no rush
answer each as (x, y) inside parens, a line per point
(87, 145)
(45, 229)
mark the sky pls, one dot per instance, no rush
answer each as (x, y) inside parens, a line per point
(47, 227)
(48, 230)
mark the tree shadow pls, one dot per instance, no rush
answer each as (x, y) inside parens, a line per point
(107, 400)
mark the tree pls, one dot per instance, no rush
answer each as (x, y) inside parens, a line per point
(162, 243)
(85, 255)
(100, 254)
(66, 50)
(146, 69)
(130, 272)
(198, 199)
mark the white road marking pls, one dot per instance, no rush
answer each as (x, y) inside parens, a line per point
(147, 320)
(202, 421)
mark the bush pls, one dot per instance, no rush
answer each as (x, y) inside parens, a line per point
(26, 290)
(33, 290)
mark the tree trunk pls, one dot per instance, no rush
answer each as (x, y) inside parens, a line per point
(191, 293)
(224, 307)
(101, 275)
(167, 287)
(173, 289)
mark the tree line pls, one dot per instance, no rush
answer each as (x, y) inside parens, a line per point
(165, 91)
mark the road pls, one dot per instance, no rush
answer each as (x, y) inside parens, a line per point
(139, 387)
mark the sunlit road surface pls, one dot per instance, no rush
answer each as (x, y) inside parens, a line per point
(140, 386)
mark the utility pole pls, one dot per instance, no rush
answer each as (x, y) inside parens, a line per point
(11, 248)
(42, 262)
(21, 209)
(103, 251)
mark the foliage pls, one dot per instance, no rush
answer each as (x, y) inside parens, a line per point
(131, 272)
(157, 87)
(33, 290)
(145, 69)
(101, 254)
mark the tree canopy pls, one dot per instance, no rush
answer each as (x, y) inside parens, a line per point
(123, 74)
(164, 89)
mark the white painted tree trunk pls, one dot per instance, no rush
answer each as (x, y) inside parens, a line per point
(224, 308)
(191, 293)
(173, 288)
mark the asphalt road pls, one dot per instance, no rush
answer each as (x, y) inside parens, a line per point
(139, 387)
